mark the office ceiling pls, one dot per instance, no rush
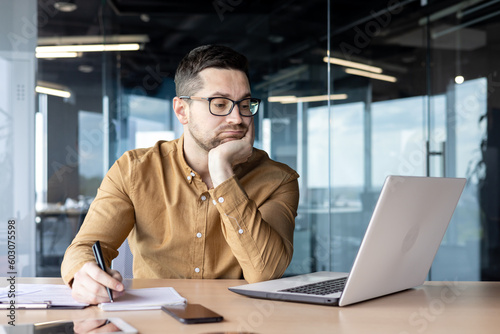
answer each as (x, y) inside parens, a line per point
(274, 34)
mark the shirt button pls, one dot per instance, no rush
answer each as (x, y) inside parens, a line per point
(197, 270)
(203, 198)
(213, 201)
(198, 235)
(189, 178)
(221, 199)
(193, 174)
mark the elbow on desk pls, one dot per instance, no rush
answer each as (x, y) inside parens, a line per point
(268, 272)
(255, 277)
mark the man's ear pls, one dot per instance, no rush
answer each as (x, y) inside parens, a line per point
(181, 110)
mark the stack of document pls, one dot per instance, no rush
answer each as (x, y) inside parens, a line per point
(144, 299)
(38, 296)
(33, 296)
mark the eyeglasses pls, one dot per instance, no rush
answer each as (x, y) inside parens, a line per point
(222, 106)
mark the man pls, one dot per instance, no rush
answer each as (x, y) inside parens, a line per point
(207, 205)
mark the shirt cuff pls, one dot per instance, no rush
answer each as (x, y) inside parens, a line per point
(228, 195)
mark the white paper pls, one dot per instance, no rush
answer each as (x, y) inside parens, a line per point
(57, 294)
(144, 299)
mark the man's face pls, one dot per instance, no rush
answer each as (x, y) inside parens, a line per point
(207, 130)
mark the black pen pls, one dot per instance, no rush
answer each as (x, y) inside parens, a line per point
(100, 262)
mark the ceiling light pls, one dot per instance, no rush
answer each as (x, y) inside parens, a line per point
(56, 54)
(322, 98)
(285, 99)
(52, 91)
(86, 68)
(282, 99)
(347, 63)
(371, 75)
(66, 6)
(92, 39)
(145, 18)
(459, 79)
(89, 48)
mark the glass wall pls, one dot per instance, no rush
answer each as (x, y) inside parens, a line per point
(419, 99)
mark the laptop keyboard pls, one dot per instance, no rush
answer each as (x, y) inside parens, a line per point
(320, 288)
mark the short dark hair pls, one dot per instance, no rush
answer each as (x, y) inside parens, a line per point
(187, 81)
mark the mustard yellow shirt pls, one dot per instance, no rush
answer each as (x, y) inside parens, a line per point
(178, 228)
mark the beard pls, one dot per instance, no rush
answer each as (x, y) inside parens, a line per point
(208, 144)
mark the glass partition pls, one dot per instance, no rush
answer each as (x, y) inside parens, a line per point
(398, 106)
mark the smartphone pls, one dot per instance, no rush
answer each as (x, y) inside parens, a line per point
(107, 325)
(192, 313)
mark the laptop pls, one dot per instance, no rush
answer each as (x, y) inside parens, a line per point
(400, 243)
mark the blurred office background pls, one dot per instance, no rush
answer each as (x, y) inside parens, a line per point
(419, 96)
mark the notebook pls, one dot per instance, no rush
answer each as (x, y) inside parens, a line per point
(402, 238)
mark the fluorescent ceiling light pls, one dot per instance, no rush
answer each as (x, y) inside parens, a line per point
(282, 99)
(52, 91)
(65, 6)
(371, 75)
(293, 99)
(92, 39)
(347, 63)
(322, 98)
(89, 48)
(56, 54)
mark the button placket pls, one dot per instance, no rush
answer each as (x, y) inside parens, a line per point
(198, 232)
(190, 176)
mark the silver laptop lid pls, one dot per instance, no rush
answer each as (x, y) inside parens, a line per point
(403, 236)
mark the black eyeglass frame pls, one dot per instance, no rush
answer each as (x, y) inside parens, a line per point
(209, 99)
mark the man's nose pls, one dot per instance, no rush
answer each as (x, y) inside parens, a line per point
(234, 117)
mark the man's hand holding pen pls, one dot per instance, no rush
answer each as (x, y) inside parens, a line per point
(99, 259)
(90, 283)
